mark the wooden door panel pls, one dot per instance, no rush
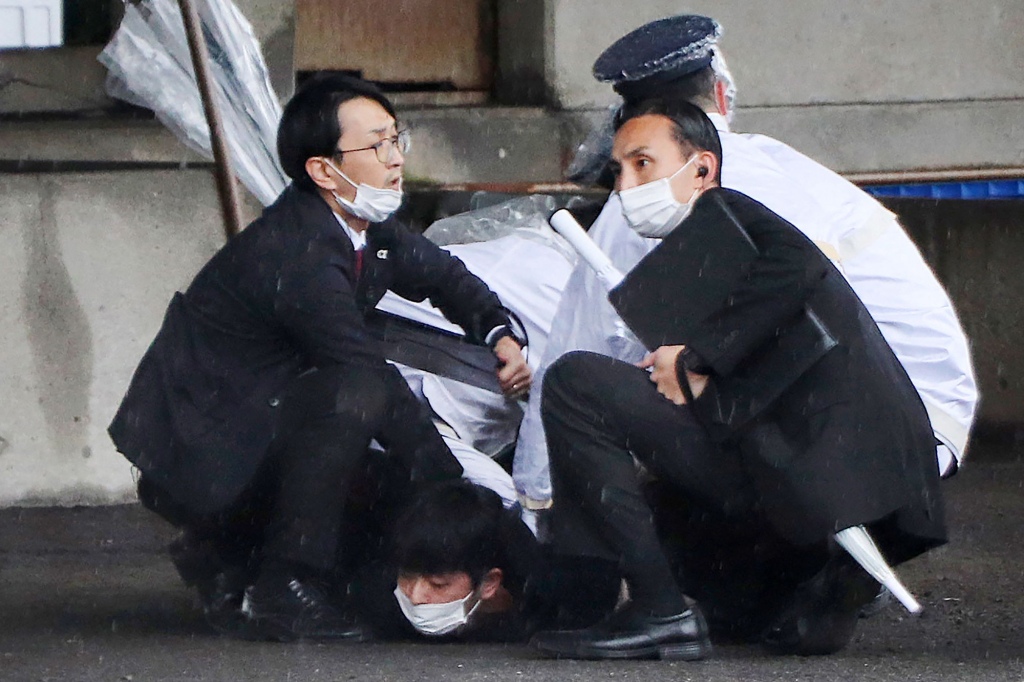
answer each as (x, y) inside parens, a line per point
(398, 41)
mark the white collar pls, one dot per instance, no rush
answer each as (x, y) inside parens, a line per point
(721, 124)
(358, 238)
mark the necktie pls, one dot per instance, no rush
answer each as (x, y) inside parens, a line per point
(359, 263)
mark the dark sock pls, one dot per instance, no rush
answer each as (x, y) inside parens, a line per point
(583, 589)
(653, 590)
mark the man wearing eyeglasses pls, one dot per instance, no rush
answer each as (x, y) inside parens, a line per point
(251, 414)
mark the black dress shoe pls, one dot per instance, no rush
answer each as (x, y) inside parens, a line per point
(284, 608)
(822, 615)
(683, 636)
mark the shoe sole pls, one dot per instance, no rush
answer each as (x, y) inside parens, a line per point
(267, 629)
(692, 651)
(687, 651)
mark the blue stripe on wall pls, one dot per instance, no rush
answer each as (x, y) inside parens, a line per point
(995, 189)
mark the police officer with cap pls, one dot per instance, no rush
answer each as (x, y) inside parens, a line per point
(656, 58)
(679, 58)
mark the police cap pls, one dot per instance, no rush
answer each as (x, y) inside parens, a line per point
(658, 53)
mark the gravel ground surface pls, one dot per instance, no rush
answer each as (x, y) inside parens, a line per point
(88, 594)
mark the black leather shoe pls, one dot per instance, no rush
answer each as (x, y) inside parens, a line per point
(683, 636)
(822, 615)
(285, 608)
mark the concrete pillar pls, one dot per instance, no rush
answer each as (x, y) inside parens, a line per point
(521, 76)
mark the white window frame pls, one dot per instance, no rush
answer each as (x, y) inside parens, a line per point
(31, 23)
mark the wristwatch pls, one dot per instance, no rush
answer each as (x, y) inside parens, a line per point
(498, 333)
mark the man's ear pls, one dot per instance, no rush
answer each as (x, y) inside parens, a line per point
(721, 100)
(490, 583)
(317, 170)
(708, 160)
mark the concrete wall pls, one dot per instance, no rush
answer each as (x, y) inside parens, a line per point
(873, 85)
(799, 52)
(89, 263)
(976, 249)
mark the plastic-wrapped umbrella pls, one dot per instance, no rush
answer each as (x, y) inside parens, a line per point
(149, 64)
(861, 547)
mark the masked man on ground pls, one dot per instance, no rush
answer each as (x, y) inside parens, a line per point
(783, 462)
(251, 414)
(679, 59)
(462, 567)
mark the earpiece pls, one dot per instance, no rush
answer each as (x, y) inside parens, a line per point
(702, 171)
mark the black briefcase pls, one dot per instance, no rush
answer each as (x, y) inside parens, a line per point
(682, 283)
(433, 350)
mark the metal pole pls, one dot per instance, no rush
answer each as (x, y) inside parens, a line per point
(949, 175)
(227, 189)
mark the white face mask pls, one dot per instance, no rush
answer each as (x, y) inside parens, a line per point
(371, 203)
(652, 210)
(437, 619)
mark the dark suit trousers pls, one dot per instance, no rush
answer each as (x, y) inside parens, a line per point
(319, 475)
(599, 414)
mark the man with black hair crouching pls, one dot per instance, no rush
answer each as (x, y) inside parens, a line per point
(251, 414)
(462, 567)
(784, 437)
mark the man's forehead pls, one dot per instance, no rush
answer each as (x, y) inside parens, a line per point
(641, 134)
(444, 576)
(364, 116)
(626, 152)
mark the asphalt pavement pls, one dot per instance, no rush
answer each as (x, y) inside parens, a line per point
(88, 594)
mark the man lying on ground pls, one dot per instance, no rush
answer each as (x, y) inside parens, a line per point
(461, 567)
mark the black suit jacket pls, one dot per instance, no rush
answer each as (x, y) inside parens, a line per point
(850, 442)
(280, 298)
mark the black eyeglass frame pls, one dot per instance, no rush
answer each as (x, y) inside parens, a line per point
(401, 141)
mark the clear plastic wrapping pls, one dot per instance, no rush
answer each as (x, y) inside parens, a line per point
(526, 216)
(149, 65)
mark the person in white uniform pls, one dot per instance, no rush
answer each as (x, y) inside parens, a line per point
(679, 58)
(528, 268)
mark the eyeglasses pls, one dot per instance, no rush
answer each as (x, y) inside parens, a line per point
(386, 147)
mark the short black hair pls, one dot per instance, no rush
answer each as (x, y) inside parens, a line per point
(691, 127)
(309, 124)
(450, 527)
